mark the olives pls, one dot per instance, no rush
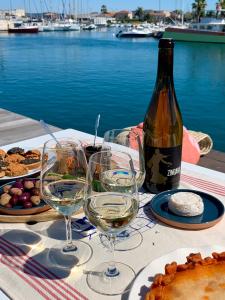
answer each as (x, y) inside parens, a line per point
(22, 193)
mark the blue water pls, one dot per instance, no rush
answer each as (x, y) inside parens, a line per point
(68, 78)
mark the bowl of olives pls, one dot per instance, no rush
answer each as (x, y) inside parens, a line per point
(22, 197)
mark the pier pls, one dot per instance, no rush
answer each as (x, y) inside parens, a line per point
(15, 127)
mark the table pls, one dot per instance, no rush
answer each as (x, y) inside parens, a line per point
(61, 284)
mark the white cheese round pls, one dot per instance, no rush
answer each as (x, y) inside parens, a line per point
(186, 204)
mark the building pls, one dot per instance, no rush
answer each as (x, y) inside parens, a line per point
(103, 19)
(17, 13)
(123, 14)
(157, 13)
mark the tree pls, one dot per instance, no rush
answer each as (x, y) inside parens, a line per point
(222, 5)
(211, 14)
(188, 17)
(104, 9)
(139, 13)
(150, 19)
(199, 8)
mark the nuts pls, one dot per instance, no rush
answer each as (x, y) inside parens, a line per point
(21, 194)
(6, 188)
(16, 191)
(35, 200)
(5, 198)
(28, 185)
(37, 184)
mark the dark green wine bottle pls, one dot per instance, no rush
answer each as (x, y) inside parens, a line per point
(163, 127)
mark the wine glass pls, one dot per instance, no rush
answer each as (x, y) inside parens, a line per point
(128, 141)
(111, 203)
(63, 176)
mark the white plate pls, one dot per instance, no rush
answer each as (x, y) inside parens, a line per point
(30, 172)
(144, 279)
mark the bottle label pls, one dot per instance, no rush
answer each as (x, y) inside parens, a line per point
(163, 167)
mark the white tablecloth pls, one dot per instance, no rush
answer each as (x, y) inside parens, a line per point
(39, 281)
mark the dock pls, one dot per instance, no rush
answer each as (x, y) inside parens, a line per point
(15, 127)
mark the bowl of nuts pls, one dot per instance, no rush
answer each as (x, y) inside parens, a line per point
(22, 197)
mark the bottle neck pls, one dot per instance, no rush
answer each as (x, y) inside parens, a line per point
(165, 64)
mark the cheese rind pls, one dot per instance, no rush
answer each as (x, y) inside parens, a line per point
(186, 204)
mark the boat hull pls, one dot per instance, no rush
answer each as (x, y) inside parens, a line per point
(133, 35)
(192, 35)
(23, 30)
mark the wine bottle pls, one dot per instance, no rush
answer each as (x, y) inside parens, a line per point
(163, 129)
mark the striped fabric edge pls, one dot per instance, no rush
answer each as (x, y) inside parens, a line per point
(204, 184)
(13, 264)
(39, 269)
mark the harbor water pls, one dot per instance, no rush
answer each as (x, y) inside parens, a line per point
(67, 78)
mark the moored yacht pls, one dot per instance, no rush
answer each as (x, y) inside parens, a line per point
(89, 27)
(136, 32)
(209, 30)
(61, 26)
(20, 27)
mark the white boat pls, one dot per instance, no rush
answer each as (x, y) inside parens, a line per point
(48, 27)
(74, 27)
(61, 26)
(136, 32)
(89, 27)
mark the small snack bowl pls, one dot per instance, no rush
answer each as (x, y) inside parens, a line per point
(22, 197)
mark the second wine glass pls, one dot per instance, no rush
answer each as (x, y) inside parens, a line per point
(130, 142)
(111, 203)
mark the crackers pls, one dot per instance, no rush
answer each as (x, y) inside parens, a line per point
(17, 162)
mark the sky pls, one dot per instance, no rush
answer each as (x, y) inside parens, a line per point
(95, 5)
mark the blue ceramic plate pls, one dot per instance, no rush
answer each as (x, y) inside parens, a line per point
(18, 210)
(213, 211)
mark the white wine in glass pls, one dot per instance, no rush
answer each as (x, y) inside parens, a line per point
(111, 208)
(130, 142)
(63, 176)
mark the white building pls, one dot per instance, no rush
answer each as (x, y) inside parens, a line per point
(18, 13)
(102, 20)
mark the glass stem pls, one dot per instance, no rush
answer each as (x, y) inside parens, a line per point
(112, 270)
(69, 243)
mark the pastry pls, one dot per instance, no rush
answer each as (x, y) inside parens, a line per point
(33, 154)
(31, 163)
(16, 170)
(14, 158)
(2, 154)
(15, 150)
(197, 279)
(17, 162)
(2, 173)
(3, 165)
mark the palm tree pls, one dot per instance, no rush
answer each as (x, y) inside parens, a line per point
(222, 4)
(104, 9)
(139, 12)
(199, 8)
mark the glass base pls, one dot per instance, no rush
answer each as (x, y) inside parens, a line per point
(66, 257)
(120, 283)
(126, 240)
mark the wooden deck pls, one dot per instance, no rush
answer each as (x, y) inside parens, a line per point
(15, 127)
